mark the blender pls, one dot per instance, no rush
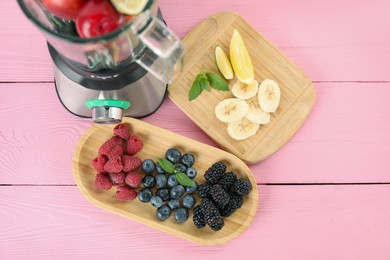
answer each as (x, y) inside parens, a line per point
(121, 73)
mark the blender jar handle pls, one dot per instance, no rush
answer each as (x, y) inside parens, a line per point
(159, 50)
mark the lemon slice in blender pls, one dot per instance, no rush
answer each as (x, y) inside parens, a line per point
(129, 7)
(240, 59)
(223, 63)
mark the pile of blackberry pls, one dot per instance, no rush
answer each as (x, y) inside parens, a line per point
(163, 191)
(221, 195)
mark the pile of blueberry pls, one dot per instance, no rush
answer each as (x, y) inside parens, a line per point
(163, 190)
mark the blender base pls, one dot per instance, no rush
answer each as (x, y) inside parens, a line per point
(145, 95)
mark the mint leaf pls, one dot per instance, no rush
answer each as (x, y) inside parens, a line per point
(196, 88)
(203, 83)
(166, 165)
(184, 180)
(217, 82)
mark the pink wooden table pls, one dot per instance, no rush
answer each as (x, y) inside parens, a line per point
(324, 195)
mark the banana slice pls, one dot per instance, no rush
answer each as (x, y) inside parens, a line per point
(231, 109)
(269, 95)
(256, 114)
(242, 129)
(243, 91)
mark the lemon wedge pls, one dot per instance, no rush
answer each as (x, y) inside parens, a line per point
(223, 63)
(129, 7)
(240, 59)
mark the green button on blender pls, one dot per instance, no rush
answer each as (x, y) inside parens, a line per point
(107, 103)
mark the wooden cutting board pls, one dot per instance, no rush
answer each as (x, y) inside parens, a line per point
(156, 141)
(297, 92)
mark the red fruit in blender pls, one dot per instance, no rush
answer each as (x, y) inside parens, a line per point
(64, 9)
(98, 17)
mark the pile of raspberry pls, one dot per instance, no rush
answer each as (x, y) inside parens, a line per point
(117, 164)
(222, 194)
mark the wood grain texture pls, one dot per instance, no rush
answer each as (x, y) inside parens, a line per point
(297, 96)
(156, 141)
(292, 222)
(328, 40)
(335, 145)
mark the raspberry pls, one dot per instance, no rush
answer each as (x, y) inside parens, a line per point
(103, 182)
(124, 193)
(235, 203)
(109, 144)
(242, 186)
(211, 215)
(198, 218)
(99, 162)
(133, 179)
(117, 178)
(215, 172)
(227, 181)
(122, 131)
(130, 163)
(134, 145)
(116, 150)
(114, 164)
(219, 196)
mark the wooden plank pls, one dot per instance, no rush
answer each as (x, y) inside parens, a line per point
(292, 222)
(344, 140)
(328, 40)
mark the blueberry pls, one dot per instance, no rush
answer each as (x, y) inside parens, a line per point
(191, 172)
(188, 159)
(180, 167)
(163, 212)
(172, 180)
(156, 201)
(163, 193)
(149, 181)
(161, 180)
(188, 201)
(174, 203)
(177, 191)
(144, 195)
(148, 166)
(173, 155)
(160, 169)
(181, 215)
(190, 189)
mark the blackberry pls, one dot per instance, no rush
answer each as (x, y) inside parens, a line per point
(204, 190)
(215, 172)
(242, 186)
(211, 215)
(235, 203)
(219, 196)
(198, 218)
(227, 181)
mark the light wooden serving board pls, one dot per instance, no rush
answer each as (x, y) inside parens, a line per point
(297, 92)
(156, 142)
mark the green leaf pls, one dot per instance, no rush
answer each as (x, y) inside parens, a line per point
(184, 180)
(166, 165)
(203, 83)
(217, 82)
(196, 88)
